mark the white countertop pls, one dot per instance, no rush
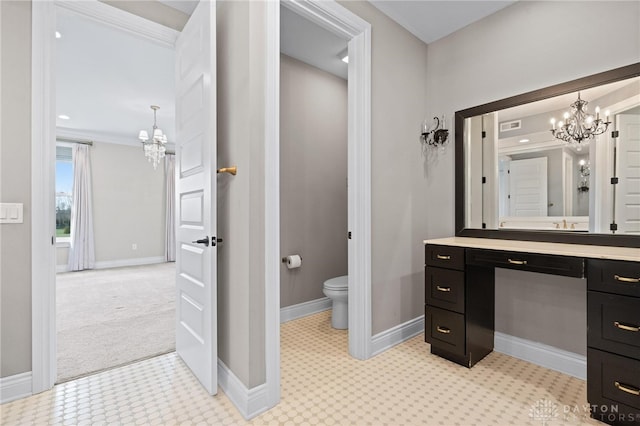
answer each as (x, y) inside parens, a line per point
(560, 249)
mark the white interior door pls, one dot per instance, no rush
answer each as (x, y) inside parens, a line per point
(196, 314)
(528, 187)
(627, 214)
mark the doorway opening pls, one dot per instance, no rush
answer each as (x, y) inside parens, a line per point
(313, 169)
(115, 296)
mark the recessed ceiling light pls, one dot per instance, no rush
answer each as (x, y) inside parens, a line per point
(58, 35)
(523, 140)
(63, 117)
(344, 56)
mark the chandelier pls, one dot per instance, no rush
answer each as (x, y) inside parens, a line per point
(154, 149)
(579, 126)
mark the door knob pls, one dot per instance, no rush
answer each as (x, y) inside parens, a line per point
(204, 241)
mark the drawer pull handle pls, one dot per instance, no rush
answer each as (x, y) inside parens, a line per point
(625, 279)
(443, 330)
(445, 289)
(628, 389)
(626, 327)
(443, 257)
(517, 262)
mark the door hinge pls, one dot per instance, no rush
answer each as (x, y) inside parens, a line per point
(484, 225)
(349, 235)
(484, 179)
(53, 240)
(615, 133)
(614, 181)
(484, 134)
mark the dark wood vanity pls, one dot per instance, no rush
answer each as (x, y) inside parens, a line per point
(460, 271)
(460, 305)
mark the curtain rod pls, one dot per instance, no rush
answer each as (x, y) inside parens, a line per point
(90, 143)
(80, 141)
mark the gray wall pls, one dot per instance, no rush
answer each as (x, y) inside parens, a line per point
(486, 61)
(15, 187)
(128, 204)
(241, 264)
(313, 178)
(412, 199)
(401, 178)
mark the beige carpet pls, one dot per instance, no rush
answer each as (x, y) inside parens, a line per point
(110, 317)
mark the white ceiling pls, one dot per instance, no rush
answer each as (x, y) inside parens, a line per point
(107, 79)
(431, 20)
(310, 43)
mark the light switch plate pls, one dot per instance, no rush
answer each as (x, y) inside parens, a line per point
(11, 212)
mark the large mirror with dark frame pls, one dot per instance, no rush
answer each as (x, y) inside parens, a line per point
(560, 164)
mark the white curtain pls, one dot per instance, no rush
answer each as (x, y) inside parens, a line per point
(82, 250)
(170, 207)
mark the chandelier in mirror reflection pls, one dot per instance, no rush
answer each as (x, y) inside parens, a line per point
(578, 125)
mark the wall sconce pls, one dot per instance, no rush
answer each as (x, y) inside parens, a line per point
(436, 134)
(585, 171)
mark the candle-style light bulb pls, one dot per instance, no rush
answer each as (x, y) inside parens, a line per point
(606, 114)
(597, 112)
(553, 123)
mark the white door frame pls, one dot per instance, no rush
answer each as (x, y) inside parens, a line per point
(344, 23)
(43, 136)
(601, 153)
(328, 14)
(340, 21)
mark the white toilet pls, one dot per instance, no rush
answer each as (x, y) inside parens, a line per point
(336, 289)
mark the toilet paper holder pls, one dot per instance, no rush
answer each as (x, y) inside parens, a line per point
(293, 261)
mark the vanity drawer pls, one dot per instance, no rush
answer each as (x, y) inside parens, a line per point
(543, 263)
(613, 276)
(445, 330)
(445, 289)
(444, 256)
(613, 323)
(613, 380)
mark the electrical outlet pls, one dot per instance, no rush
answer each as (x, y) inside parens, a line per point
(134, 246)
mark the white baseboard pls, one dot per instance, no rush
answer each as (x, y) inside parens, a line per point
(300, 310)
(540, 354)
(249, 402)
(15, 387)
(396, 335)
(106, 264)
(129, 262)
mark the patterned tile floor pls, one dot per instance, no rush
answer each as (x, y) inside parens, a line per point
(321, 385)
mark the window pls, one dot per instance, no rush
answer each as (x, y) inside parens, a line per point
(64, 188)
